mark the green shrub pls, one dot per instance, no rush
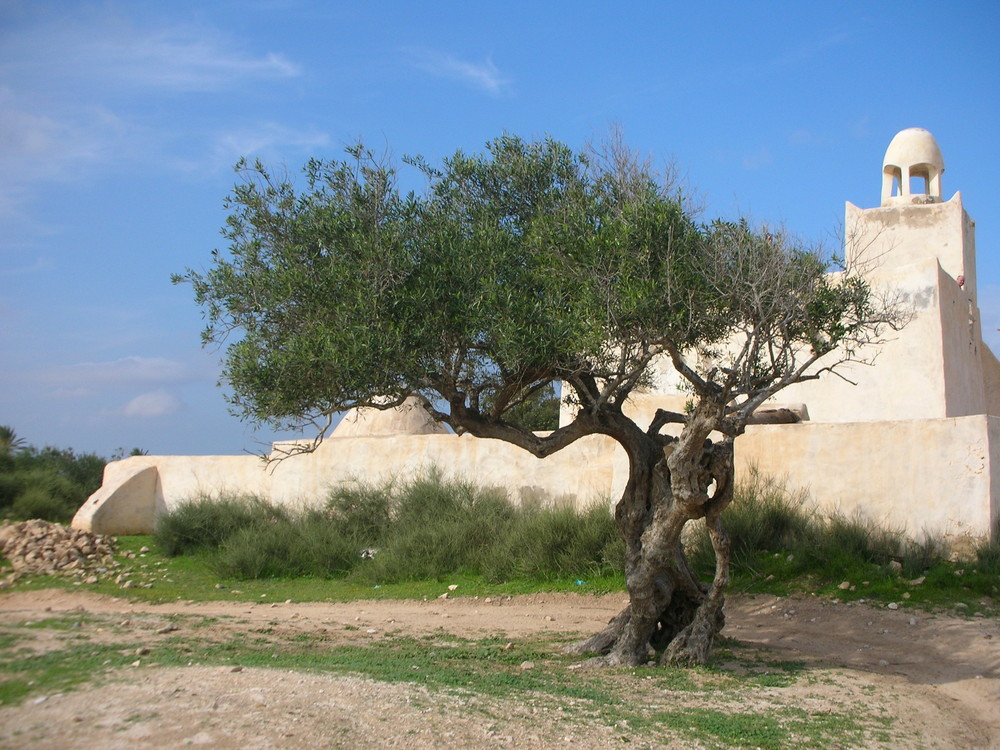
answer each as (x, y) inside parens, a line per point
(988, 558)
(306, 545)
(775, 533)
(363, 512)
(428, 527)
(42, 493)
(438, 527)
(547, 543)
(763, 517)
(205, 522)
(259, 551)
(50, 483)
(11, 485)
(38, 502)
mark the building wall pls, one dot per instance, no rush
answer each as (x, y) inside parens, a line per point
(928, 475)
(918, 475)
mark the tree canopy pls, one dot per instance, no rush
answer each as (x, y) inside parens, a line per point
(514, 269)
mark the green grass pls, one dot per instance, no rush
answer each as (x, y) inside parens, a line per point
(430, 534)
(193, 578)
(705, 704)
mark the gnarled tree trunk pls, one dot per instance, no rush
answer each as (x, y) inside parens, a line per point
(671, 482)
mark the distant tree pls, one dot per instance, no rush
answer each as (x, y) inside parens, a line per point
(120, 453)
(49, 483)
(10, 443)
(517, 269)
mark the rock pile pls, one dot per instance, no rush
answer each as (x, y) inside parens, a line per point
(43, 548)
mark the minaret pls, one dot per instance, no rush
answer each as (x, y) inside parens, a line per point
(912, 155)
(922, 248)
(914, 222)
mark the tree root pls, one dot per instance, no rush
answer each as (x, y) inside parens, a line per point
(602, 642)
(692, 646)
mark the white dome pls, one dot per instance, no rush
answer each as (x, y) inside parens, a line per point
(408, 419)
(913, 146)
(912, 153)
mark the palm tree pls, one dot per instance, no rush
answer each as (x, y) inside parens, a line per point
(10, 443)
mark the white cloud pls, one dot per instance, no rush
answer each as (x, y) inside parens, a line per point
(100, 49)
(812, 49)
(125, 371)
(759, 158)
(26, 268)
(804, 137)
(267, 138)
(157, 403)
(38, 146)
(183, 59)
(72, 88)
(861, 128)
(484, 76)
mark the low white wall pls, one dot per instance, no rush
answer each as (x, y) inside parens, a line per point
(929, 475)
(579, 474)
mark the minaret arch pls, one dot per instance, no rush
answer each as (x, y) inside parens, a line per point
(913, 153)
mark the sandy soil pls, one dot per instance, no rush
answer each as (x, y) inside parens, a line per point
(938, 675)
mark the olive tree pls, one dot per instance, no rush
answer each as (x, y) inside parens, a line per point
(515, 269)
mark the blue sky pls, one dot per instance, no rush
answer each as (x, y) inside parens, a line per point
(120, 123)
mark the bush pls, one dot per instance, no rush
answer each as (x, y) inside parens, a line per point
(41, 493)
(988, 558)
(50, 483)
(763, 517)
(291, 547)
(426, 528)
(438, 528)
(11, 485)
(37, 502)
(206, 523)
(545, 543)
(362, 512)
(765, 522)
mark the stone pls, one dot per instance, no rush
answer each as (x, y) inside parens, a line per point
(41, 548)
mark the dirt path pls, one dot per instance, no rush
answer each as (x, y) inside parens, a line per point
(938, 675)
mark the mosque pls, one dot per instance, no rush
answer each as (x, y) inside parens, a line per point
(912, 440)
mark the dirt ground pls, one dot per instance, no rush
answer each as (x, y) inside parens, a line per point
(937, 674)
